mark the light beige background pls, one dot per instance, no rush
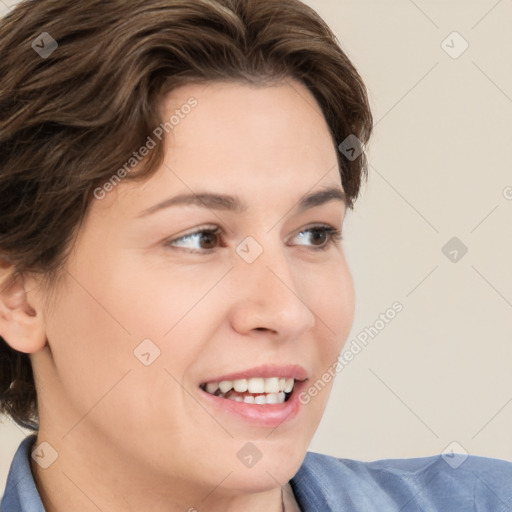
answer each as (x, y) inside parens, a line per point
(441, 162)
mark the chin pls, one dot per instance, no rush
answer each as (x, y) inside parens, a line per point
(263, 464)
(261, 479)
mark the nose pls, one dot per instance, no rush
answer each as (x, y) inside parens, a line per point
(269, 298)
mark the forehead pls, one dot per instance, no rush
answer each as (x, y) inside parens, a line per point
(252, 116)
(240, 138)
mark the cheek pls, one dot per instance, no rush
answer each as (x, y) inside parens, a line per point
(331, 298)
(152, 296)
(90, 349)
(93, 335)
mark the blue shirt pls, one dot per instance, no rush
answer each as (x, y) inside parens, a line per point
(324, 484)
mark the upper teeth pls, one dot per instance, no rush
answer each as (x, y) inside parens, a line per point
(253, 385)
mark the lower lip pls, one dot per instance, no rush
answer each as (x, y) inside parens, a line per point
(263, 415)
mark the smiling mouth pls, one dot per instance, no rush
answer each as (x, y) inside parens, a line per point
(256, 390)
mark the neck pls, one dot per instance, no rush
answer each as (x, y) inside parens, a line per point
(92, 477)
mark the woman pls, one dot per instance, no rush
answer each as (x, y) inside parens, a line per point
(174, 178)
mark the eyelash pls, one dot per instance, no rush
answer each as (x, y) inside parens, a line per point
(333, 234)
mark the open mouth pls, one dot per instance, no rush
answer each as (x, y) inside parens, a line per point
(256, 390)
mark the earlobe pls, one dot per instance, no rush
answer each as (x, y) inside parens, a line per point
(21, 323)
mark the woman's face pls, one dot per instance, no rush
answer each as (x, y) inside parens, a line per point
(153, 313)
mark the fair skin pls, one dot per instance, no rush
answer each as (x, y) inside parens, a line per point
(131, 437)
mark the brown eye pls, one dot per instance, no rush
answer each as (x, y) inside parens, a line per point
(202, 240)
(208, 239)
(320, 238)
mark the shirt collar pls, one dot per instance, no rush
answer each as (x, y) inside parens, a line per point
(20, 491)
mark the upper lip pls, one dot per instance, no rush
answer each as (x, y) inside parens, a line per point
(292, 371)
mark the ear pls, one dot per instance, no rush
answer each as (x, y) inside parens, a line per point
(21, 323)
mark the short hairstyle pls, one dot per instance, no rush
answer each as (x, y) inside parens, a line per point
(72, 117)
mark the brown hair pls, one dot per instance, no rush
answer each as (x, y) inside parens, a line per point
(69, 118)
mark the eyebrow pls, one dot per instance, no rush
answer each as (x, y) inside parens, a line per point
(234, 204)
